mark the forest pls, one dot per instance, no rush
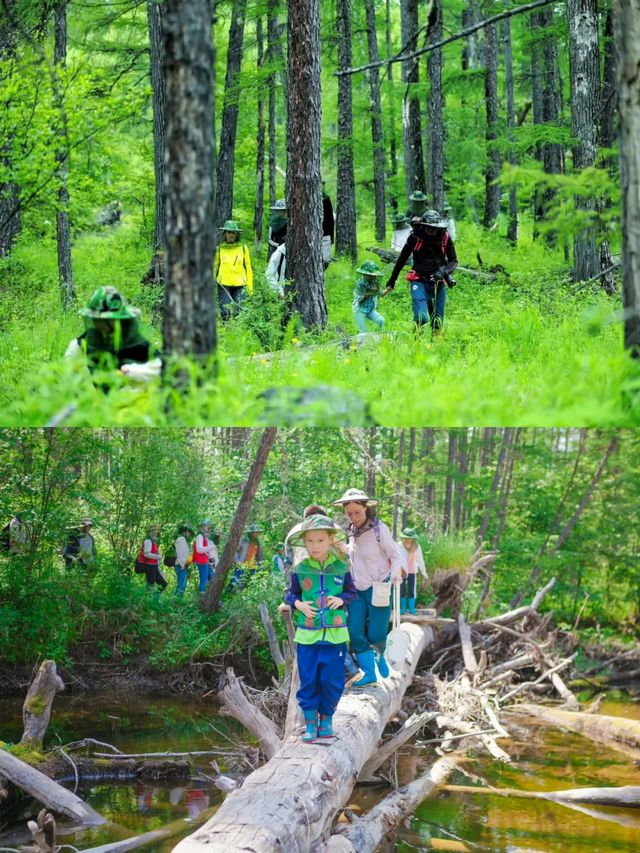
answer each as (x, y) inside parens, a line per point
(132, 131)
(530, 541)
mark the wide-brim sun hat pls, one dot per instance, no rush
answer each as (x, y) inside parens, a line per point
(418, 195)
(253, 528)
(399, 219)
(86, 520)
(279, 205)
(314, 522)
(107, 303)
(409, 533)
(370, 268)
(432, 219)
(231, 225)
(206, 523)
(355, 496)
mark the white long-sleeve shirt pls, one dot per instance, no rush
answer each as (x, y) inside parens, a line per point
(418, 562)
(210, 549)
(148, 553)
(182, 551)
(276, 271)
(373, 561)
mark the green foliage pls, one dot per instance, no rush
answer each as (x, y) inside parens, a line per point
(449, 552)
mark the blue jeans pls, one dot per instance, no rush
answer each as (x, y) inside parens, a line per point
(409, 586)
(368, 625)
(321, 670)
(181, 576)
(428, 301)
(205, 572)
(362, 317)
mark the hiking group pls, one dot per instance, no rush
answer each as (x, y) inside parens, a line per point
(422, 238)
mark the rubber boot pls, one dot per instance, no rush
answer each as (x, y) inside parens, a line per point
(351, 670)
(383, 666)
(368, 666)
(403, 605)
(412, 605)
(325, 729)
(311, 731)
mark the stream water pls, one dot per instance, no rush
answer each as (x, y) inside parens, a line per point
(543, 759)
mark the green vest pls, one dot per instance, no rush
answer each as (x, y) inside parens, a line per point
(317, 582)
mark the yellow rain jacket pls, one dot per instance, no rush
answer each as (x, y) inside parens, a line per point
(232, 266)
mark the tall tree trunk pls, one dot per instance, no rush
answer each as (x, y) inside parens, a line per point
(448, 494)
(435, 109)
(428, 445)
(377, 133)
(391, 125)
(398, 483)
(370, 485)
(155, 11)
(228, 130)
(215, 588)
(627, 36)
(258, 215)
(411, 122)
(470, 50)
(507, 439)
(63, 229)
(272, 26)
(189, 325)
(584, 63)
(492, 169)
(346, 242)
(10, 221)
(407, 480)
(512, 225)
(461, 479)
(612, 447)
(608, 109)
(304, 182)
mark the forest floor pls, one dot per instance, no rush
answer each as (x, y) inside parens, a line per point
(522, 349)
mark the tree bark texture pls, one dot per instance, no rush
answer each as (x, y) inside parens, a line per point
(288, 803)
(584, 63)
(259, 208)
(377, 133)
(272, 26)
(411, 121)
(435, 110)
(155, 12)
(36, 711)
(448, 493)
(607, 137)
(229, 126)
(304, 182)
(492, 168)
(346, 241)
(627, 38)
(512, 225)
(10, 221)
(507, 440)
(391, 125)
(215, 588)
(189, 308)
(63, 228)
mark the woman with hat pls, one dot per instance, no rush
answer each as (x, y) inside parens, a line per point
(182, 549)
(401, 231)
(232, 270)
(278, 221)
(205, 554)
(376, 563)
(414, 563)
(113, 337)
(248, 557)
(434, 258)
(365, 296)
(321, 586)
(151, 558)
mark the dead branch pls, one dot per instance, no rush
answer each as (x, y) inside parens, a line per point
(410, 727)
(235, 703)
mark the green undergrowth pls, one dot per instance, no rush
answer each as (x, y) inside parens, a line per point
(522, 349)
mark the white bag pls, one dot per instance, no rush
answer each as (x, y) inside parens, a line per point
(381, 594)
(398, 639)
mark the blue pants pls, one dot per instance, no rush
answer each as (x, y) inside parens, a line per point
(321, 669)
(362, 317)
(409, 587)
(428, 301)
(181, 575)
(206, 573)
(368, 625)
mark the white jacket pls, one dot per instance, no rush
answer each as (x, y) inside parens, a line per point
(419, 563)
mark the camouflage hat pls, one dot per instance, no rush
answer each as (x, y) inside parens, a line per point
(409, 533)
(370, 268)
(399, 219)
(314, 522)
(253, 528)
(432, 219)
(279, 205)
(355, 496)
(107, 303)
(231, 225)
(418, 195)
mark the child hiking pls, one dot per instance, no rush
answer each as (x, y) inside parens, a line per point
(232, 270)
(414, 563)
(365, 296)
(320, 588)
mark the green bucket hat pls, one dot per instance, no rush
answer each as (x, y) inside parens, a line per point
(418, 195)
(370, 268)
(231, 225)
(107, 303)
(409, 533)
(399, 219)
(206, 523)
(432, 219)
(314, 522)
(253, 528)
(279, 205)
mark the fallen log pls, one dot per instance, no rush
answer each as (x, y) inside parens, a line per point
(289, 802)
(366, 833)
(386, 750)
(56, 798)
(235, 704)
(617, 732)
(627, 796)
(514, 615)
(36, 710)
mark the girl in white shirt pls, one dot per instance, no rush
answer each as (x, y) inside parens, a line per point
(182, 548)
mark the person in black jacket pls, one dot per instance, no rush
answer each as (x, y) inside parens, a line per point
(434, 259)
(328, 227)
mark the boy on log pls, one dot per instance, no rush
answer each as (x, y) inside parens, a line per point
(321, 586)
